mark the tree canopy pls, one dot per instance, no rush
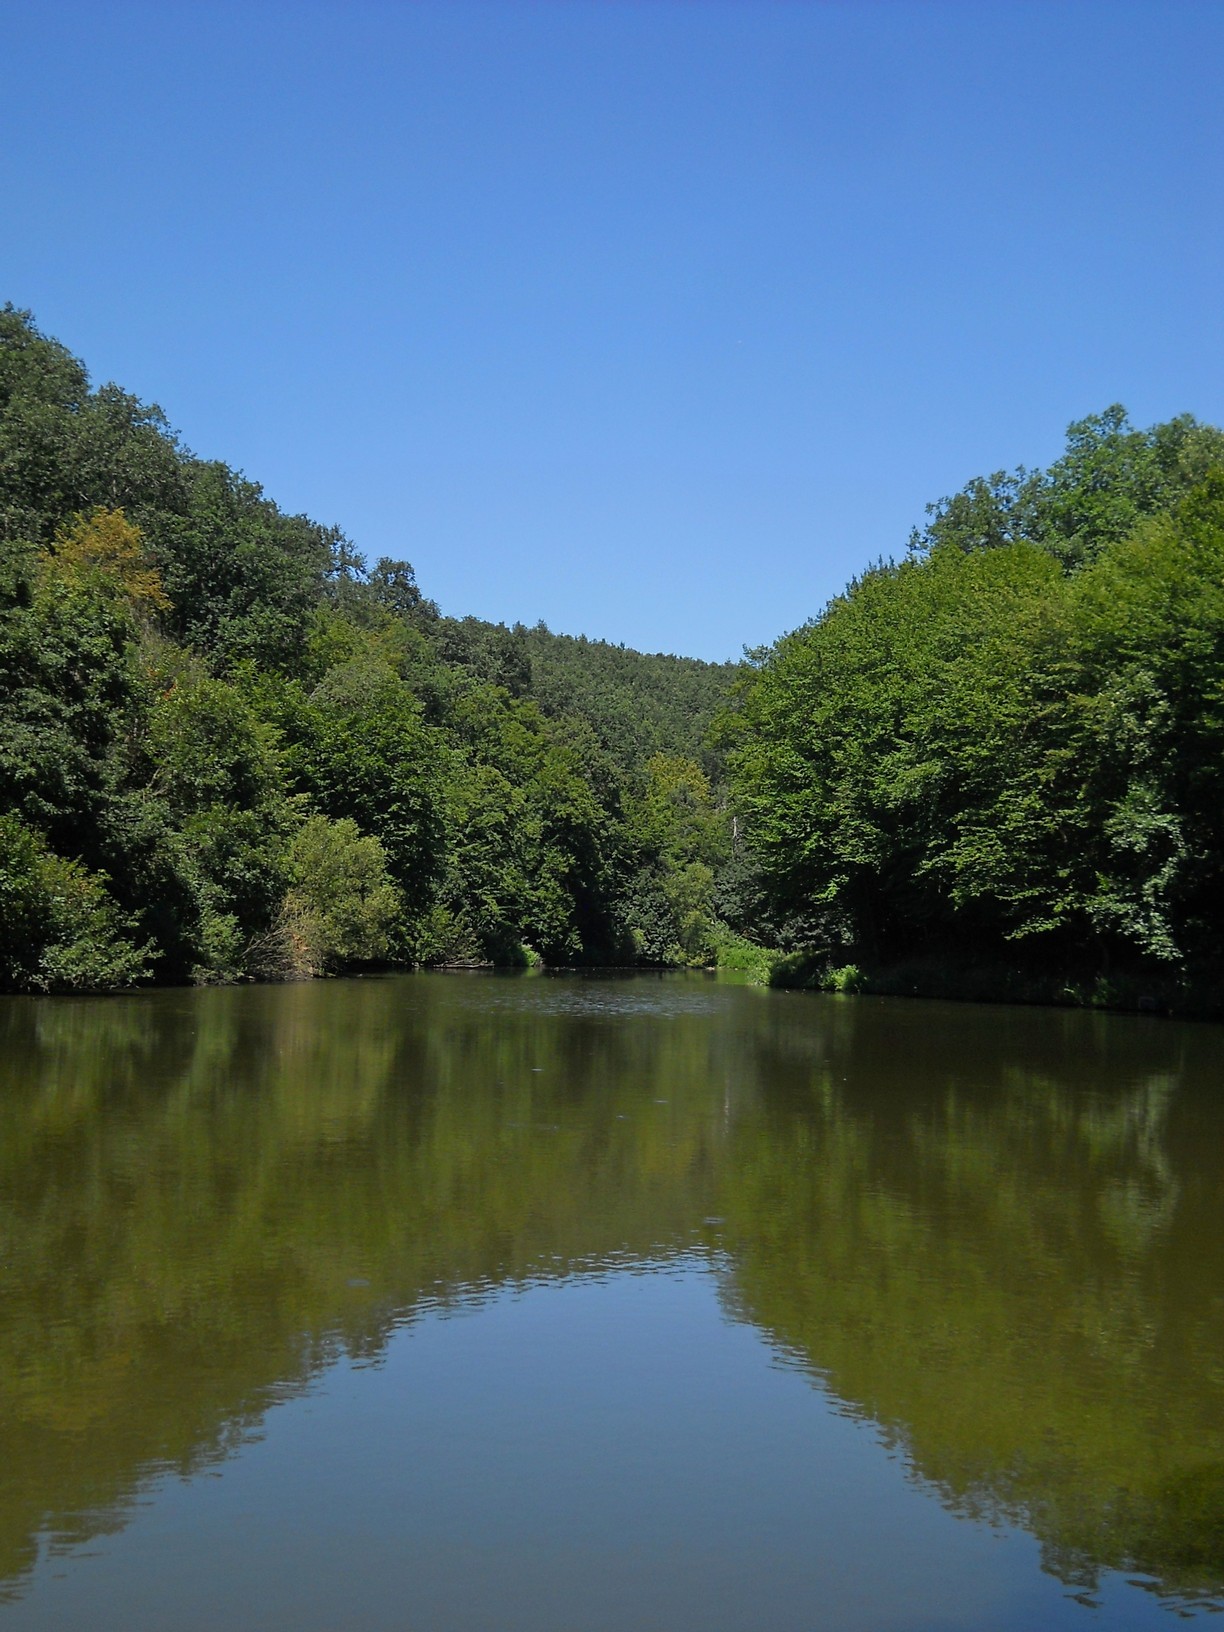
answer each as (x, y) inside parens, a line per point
(235, 749)
(1006, 747)
(1001, 750)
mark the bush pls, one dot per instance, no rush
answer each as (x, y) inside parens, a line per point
(802, 971)
(343, 903)
(738, 956)
(59, 929)
(849, 978)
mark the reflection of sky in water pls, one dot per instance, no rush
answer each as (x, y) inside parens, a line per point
(607, 1452)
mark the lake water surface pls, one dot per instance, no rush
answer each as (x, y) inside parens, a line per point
(562, 1304)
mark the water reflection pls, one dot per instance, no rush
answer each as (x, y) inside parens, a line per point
(996, 1234)
(1000, 1239)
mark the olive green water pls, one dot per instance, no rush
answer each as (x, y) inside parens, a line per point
(558, 1303)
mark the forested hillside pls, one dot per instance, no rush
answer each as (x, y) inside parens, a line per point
(638, 704)
(997, 766)
(230, 748)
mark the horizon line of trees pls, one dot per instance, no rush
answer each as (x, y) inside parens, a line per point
(232, 748)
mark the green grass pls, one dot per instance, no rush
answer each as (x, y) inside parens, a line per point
(738, 956)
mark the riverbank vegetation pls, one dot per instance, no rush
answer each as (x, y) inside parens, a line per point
(994, 767)
(232, 748)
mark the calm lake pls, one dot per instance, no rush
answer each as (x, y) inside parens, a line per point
(555, 1304)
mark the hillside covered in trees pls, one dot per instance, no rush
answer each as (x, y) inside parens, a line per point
(232, 748)
(995, 767)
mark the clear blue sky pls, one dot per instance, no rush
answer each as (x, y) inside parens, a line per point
(656, 321)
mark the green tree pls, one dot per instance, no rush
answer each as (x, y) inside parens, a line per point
(243, 577)
(1150, 631)
(67, 690)
(677, 839)
(65, 449)
(60, 930)
(217, 774)
(1109, 478)
(887, 765)
(363, 752)
(537, 830)
(342, 903)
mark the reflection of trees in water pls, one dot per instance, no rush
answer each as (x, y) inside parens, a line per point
(205, 1197)
(995, 1232)
(1011, 1259)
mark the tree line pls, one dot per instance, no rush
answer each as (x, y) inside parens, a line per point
(231, 748)
(997, 762)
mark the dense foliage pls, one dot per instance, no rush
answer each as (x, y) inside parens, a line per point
(1005, 750)
(230, 748)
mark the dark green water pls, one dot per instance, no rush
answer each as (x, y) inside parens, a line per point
(559, 1304)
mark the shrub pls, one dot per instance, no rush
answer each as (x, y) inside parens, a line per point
(343, 903)
(59, 929)
(738, 956)
(849, 978)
